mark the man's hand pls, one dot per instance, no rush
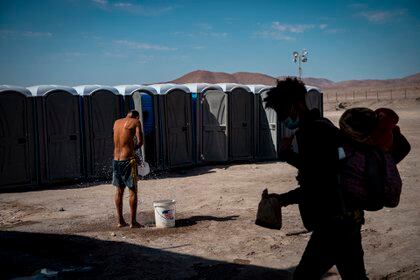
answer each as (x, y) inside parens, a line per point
(279, 197)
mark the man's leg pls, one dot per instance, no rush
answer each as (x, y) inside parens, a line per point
(350, 261)
(133, 207)
(317, 259)
(119, 192)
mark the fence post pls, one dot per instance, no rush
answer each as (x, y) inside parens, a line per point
(377, 95)
(366, 94)
(353, 95)
(336, 97)
(405, 93)
(391, 94)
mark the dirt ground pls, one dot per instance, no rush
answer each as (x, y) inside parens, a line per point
(71, 229)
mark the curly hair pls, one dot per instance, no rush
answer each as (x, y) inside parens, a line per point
(286, 93)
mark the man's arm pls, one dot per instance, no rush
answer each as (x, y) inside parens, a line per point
(139, 135)
(291, 197)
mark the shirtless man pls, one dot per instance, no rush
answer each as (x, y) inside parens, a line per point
(125, 165)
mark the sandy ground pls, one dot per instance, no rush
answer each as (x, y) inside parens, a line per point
(73, 227)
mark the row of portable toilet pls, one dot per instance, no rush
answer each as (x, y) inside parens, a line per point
(51, 134)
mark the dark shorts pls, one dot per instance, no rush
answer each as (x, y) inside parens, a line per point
(124, 173)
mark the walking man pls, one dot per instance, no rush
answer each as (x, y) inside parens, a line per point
(336, 238)
(125, 165)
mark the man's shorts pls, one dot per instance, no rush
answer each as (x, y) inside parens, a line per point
(124, 173)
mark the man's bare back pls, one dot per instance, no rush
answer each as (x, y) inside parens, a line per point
(124, 131)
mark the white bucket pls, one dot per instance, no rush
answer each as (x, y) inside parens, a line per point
(164, 213)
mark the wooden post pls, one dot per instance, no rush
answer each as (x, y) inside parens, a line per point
(336, 97)
(366, 94)
(405, 93)
(353, 95)
(377, 94)
(391, 94)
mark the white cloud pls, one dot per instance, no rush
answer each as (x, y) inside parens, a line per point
(7, 33)
(143, 46)
(141, 9)
(122, 5)
(287, 32)
(205, 26)
(380, 16)
(215, 34)
(100, 2)
(202, 34)
(274, 35)
(36, 34)
(357, 6)
(335, 30)
(114, 54)
(292, 28)
(132, 7)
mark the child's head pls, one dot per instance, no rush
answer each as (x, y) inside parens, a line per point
(387, 121)
(369, 127)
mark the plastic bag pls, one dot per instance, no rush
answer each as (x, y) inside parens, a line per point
(269, 212)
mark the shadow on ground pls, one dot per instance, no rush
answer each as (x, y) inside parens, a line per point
(25, 254)
(195, 219)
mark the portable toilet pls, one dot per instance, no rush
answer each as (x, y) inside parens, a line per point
(314, 99)
(145, 100)
(176, 120)
(210, 122)
(17, 138)
(266, 125)
(240, 121)
(59, 133)
(101, 106)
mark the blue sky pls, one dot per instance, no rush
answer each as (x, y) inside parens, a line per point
(110, 42)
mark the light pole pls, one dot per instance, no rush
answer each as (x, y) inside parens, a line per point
(300, 58)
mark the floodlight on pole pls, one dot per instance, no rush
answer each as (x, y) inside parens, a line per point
(300, 58)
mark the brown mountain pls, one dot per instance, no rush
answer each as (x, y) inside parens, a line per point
(203, 76)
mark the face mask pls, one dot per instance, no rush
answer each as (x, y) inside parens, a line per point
(291, 124)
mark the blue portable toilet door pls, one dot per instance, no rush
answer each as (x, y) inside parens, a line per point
(214, 133)
(105, 110)
(178, 120)
(63, 136)
(240, 107)
(267, 130)
(15, 150)
(144, 104)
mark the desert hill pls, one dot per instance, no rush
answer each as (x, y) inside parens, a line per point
(203, 76)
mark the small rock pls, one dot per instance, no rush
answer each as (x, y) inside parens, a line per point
(61, 209)
(274, 247)
(113, 234)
